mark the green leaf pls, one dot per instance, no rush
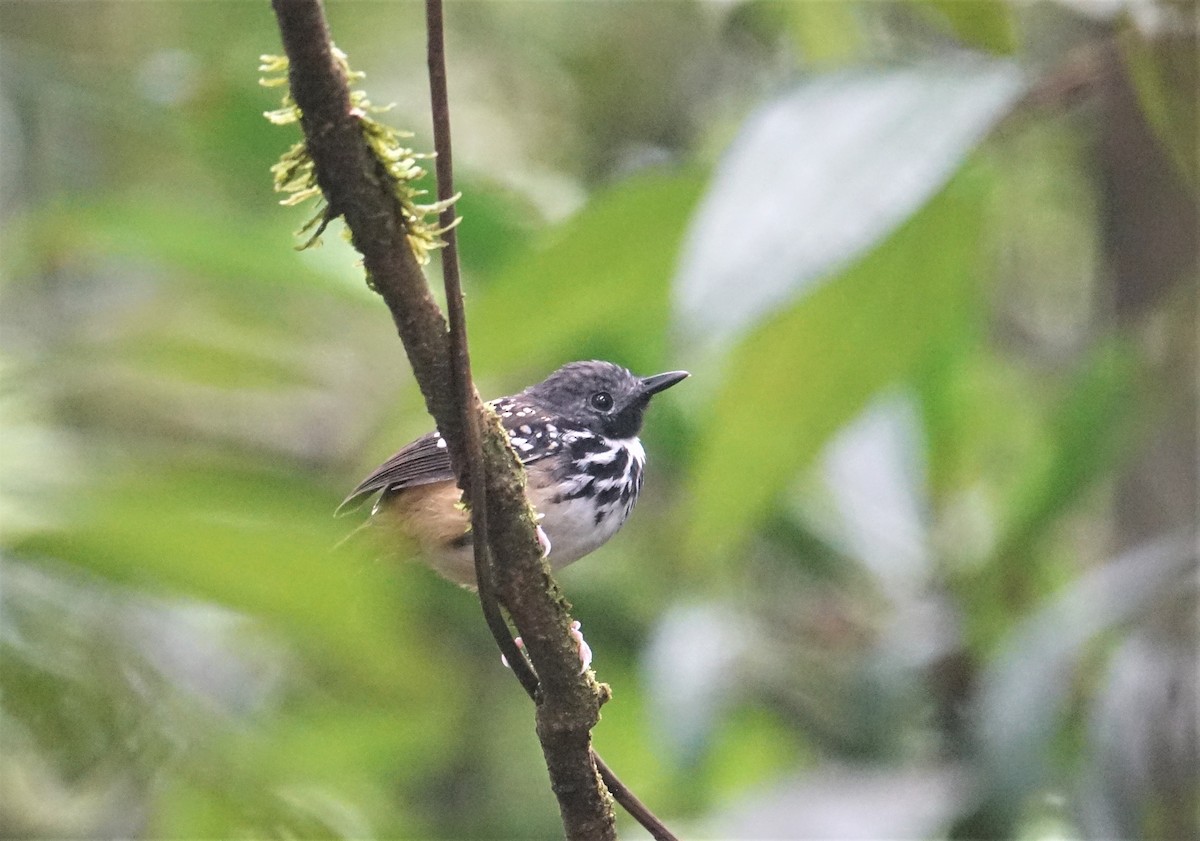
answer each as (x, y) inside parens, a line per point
(1090, 430)
(1164, 75)
(198, 360)
(1076, 446)
(256, 541)
(495, 228)
(808, 187)
(231, 249)
(795, 381)
(983, 24)
(825, 33)
(599, 279)
(206, 304)
(752, 749)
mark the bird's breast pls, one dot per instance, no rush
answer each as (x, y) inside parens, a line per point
(586, 494)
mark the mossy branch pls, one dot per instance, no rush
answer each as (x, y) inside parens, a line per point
(358, 184)
(295, 174)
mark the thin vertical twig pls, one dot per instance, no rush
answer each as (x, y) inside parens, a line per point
(461, 371)
(460, 358)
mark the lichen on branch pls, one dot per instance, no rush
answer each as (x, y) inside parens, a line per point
(295, 174)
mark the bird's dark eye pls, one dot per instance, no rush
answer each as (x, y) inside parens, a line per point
(602, 400)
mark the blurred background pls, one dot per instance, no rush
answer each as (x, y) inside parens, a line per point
(916, 557)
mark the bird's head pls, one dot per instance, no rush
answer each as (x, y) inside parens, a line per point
(600, 396)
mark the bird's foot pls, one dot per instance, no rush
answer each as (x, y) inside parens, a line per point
(585, 650)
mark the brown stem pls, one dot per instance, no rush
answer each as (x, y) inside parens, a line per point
(630, 802)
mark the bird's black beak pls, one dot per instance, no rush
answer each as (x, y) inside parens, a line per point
(661, 382)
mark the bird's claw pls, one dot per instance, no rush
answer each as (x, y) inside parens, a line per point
(585, 650)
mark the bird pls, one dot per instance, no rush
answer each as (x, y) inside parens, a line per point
(575, 432)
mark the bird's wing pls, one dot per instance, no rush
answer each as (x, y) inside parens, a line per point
(422, 462)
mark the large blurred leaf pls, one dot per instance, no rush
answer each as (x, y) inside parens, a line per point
(809, 370)
(1090, 429)
(875, 474)
(1085, 435)
(255, 541)
(1025, 692)
(820, 175)
(250, 254)
(246, 258)
(600, 277)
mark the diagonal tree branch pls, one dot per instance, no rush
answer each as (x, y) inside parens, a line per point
(356, 186)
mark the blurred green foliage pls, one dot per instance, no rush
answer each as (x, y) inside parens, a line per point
(909, 534)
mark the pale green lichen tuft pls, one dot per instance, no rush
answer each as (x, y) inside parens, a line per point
(294, 172)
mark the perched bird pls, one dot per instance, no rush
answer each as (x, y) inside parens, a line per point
(575, 432)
